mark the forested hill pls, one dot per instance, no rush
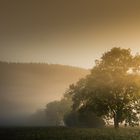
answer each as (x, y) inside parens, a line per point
(30, 86)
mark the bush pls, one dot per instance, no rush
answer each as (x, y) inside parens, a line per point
(83, 119)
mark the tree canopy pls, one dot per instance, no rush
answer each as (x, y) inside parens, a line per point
(112, 89)
(56, 110)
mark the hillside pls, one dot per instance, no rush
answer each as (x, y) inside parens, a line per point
(31, 86)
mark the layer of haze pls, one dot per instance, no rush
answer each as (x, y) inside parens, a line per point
(71, 32)
(26, 88)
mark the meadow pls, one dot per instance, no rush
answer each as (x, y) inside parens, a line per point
(62, 133)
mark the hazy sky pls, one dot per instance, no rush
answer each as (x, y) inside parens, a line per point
(71, 32)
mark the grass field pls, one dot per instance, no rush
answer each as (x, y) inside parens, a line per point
(50, 133)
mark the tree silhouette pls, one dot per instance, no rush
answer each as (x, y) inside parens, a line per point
(112, 90)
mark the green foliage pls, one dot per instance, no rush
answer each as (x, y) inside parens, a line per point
(83, 119)
(112, 90)
(52, 115)
(56, 110)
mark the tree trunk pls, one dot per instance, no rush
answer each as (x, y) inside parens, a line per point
(116, 122)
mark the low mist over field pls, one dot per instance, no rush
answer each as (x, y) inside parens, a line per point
(25, 88)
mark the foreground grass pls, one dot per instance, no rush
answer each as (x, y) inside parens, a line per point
(46, 133)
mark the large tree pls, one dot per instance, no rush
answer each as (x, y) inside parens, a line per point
(112, 90)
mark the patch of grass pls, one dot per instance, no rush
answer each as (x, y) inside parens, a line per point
(62, 133)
